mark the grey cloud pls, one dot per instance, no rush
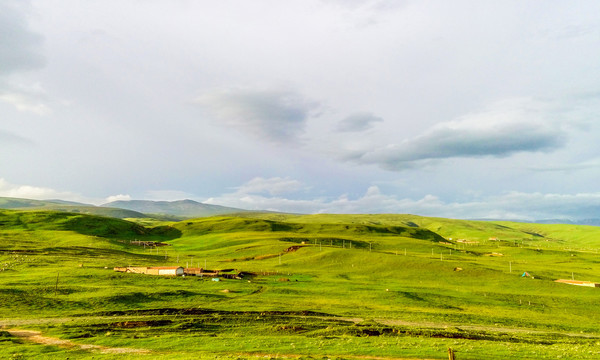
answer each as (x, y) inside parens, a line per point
(11, 138)
(497, 133)
(358, 122)
(273, 115)
(20, 48)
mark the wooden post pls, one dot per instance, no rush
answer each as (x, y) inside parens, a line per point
(451, 354)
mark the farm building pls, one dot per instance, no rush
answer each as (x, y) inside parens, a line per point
(157, 270)
(165, 270)
(200, 272)
(578, 282)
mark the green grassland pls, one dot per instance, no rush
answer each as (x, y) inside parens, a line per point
(316, 286)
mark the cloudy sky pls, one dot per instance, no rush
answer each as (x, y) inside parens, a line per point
(463, 109)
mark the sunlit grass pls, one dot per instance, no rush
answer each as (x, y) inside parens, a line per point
(400, 271)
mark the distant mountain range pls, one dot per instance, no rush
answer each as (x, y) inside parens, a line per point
(67, 206)
(181, 208)
(166, 210)
(592, 222)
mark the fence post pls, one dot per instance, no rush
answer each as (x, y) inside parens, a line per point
(451, 354)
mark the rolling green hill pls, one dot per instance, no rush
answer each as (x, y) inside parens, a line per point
(345, 286)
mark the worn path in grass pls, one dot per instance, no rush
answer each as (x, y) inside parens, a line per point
(37, 337)
(433, 325)
(5, 323)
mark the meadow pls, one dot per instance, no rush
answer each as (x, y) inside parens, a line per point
(316, 287)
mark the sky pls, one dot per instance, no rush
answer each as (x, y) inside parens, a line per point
(461, 109)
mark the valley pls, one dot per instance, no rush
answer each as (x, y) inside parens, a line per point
(314, 286)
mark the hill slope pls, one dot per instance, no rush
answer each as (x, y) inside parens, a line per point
(91, 225)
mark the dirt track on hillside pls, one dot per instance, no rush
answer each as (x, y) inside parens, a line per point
(37, 337)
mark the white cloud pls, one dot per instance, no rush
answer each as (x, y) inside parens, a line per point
(37, 193)
(509, 205)
(24, 101)
(272, 186)
(119, 197)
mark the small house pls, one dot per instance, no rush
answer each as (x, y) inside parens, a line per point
(165, 270)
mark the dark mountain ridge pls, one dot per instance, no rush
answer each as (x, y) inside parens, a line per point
(183, 208)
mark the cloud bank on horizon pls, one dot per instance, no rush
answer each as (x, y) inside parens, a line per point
(462, 109)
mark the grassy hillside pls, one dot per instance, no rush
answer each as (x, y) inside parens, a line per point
(345, 286)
